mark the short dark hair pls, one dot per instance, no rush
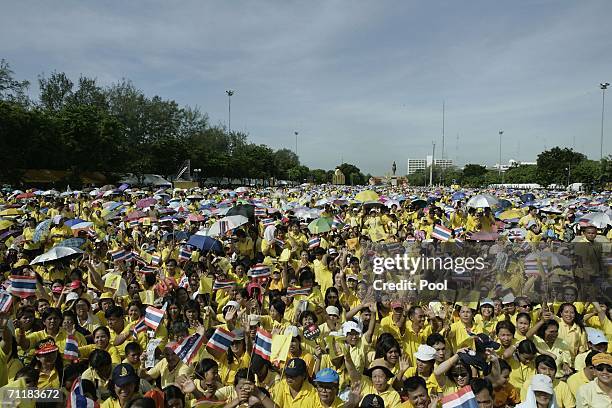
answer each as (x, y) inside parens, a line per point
(503, 365)
(589, 358)
(479, 384)
(527, 347)
(505, 324)
(114, 311)
(547, 360)
(99, 358)
(435, 338)
(242, 374)
(411, 384)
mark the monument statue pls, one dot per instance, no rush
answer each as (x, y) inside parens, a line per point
(394, 168)
(338, 177)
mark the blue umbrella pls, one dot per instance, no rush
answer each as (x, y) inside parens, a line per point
(176, 235)
(75, 221)
(459, 195)
(205, 243)
(527, 197)
(41, 230)
(72, 243)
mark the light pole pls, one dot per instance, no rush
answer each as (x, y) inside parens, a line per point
(197, 173)
(229, 93)
(603, 86)
(569, 172)
(296, 135)
(433, 159)
(501, 132)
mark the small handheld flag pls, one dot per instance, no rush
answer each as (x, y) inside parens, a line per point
(185, 254)
(294, 291)
(221, 340)
(314, 242)
(441, 232)
(6, 301)
(223, 284)
(154, 316)
(71, 350)
(23, 286)
(464, 398)
(263, 344)
(140, 326)
(258, 271)
(189, 347)
(78, 399)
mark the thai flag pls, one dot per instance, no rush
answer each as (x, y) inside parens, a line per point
(155, 260)
(260, 212)
(268, 221)
(532, 267)
(441, 232)
(464, 398)
(259, 270)
(185, 254)
(184, 282)
(148, 269)
(135, 256)
(71, 350)
(459, 231)
(223, 284)
(134, 223)
(77, 399)
(221, 340)
(263, 344)
(154, 316)
(119, 255)
(279, 242)
(139, 327)
(6, 301)
(314, 242)
(23, 286)
(395, 248)
(189, 347)
(337, 222)
(294, 291)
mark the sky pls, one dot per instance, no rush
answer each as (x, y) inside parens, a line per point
(362, 82)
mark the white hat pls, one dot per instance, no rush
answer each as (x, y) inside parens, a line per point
(332, 310)
(254, 320)
(72, 296)
(487, 302)
(231, 303)
(425, 353)
(509, 298)
(595, 336)
(541, 382)
(350, 326)
(292, 331)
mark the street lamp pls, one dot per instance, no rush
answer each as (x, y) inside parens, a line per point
(433, 159)
(296, 135)
(569, 172)
(229, 93)
(501, 132)
(603, 86)
(197, 173)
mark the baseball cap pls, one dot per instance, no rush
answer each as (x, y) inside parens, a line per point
(397, 305)
(507, 299)
(350, 326)
(295, 368)
(231, 303)
(425, 353)
(602, 358)
(72, 296)
(327, 375)
(595, 336)
(541, 382)
(487, 302)
(238, 334)
(254, 320)
(372, 401)
(45, 347)
(332, 310)
(124, 374)
(292, 331)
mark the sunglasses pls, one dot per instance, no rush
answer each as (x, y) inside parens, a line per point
(461, 374)
(604, 367)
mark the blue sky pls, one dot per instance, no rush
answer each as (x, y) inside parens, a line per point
(361, 81)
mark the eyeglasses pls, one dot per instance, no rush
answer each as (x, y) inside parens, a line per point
(604, 367)
(461, 374)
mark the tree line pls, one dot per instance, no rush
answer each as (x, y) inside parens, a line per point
(82, 126)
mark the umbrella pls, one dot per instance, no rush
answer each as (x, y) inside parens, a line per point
(319, 225)
(482, 201)
(196, 218)
(25, 195)
(242, 189)
(367, 195)
(484, 236)
(4, 224)
(528, 197)
(9, 233)
(146, 202)
(504, 204)
(248, 210)
(419, 203)
(41, 230)
(512, 214)
(72, 243)
(205, 243)
(134, 215)
(55, 253)
(225, 224)
(11, 211)
(459, 195)
(82, 225)
(597, 219)
(306, 213)
(177, 235)
(72, 222)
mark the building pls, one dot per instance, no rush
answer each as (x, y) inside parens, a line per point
(512, 163)
(415, 165)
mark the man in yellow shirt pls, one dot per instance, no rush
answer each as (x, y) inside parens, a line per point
(597, 393)
(584, 376)
(327, 382)
(295, 390)
(168, 369)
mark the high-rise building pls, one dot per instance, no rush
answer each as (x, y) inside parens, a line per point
(415, 165)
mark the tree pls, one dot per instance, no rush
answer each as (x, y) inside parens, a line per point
(523, 174)
(284, 159)
(299, 173)
(552, 164)
(12, 90)
(55, 91)
(319, 176)
(352, 174)
(474, 170)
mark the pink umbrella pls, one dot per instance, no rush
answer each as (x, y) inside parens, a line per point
(196, 218)
(146, 202)
(134, 215)
(484, 236)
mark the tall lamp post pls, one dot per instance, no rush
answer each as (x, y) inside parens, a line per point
(501, 132)
(229, 93)
(433, 159)
(197, 173)
(603, 86)
(296, 135)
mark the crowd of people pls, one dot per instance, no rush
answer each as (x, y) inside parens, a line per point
(265, 297)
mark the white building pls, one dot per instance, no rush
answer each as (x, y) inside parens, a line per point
(512, 163)
(415, 165)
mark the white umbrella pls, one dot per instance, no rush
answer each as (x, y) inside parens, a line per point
(597, 219)
(241, 189)
(225, 224)
(482, 201)
(549, 258)
(55, 253)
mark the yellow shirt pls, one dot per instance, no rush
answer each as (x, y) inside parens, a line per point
(411, 341)
(160, 370)
(60, 339)
(591, 396)
(520, 373)
(306, 397)
(576, 380)
(390, 396)
(85, 351)
(574, 337)
(50, 380)
(228, 371)
(564, 396)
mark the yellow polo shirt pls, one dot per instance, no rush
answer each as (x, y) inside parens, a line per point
(307, 397)
(391, 397)
(576, 380)
(591, 396)
(160, 370)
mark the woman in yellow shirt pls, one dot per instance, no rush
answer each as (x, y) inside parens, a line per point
(49, 364)
(571, 332)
